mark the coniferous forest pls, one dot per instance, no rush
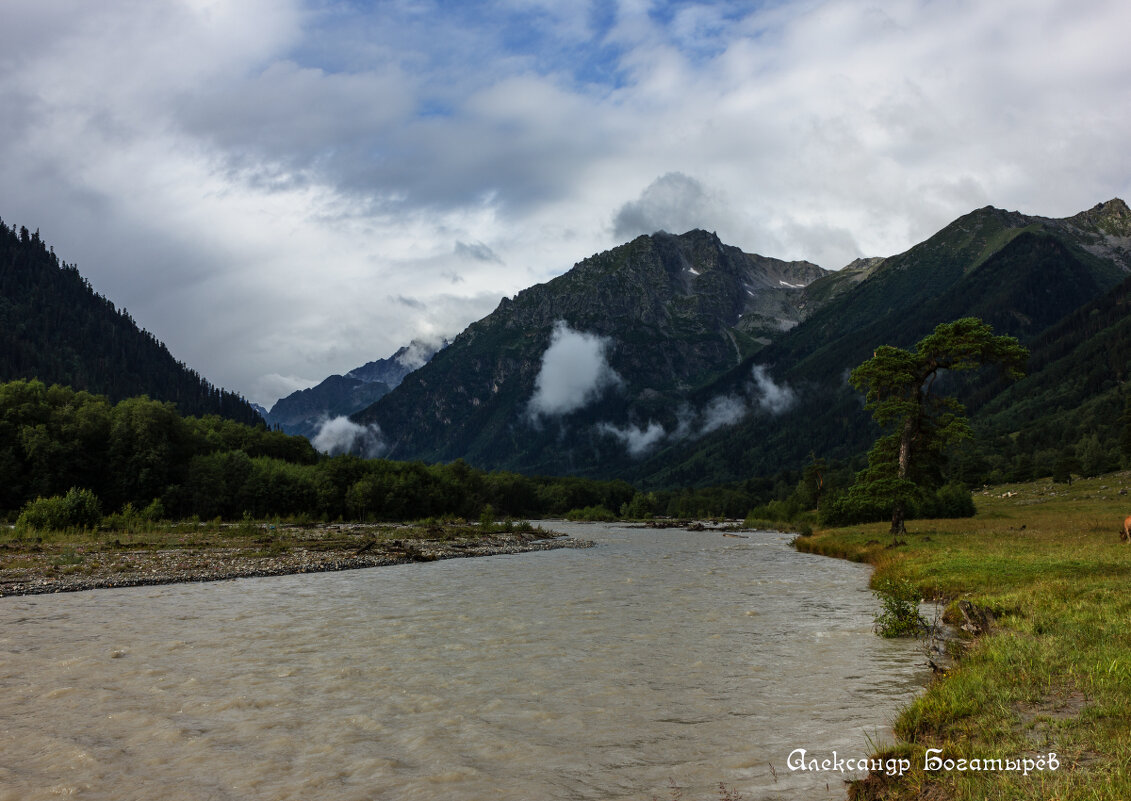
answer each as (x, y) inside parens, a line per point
(54, 327)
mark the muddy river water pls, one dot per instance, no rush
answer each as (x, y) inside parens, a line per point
(601, 673)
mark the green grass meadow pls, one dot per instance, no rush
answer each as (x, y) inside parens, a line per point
(1054, 673)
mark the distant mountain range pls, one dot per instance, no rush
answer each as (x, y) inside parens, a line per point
(305, 411)
(678, 360)
(54, 327)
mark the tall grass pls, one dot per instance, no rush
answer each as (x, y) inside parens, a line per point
(1054, 674)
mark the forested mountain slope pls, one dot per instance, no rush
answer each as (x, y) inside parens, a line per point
(1020, 273)
(634, 329)
(701, 364)
(54, 327)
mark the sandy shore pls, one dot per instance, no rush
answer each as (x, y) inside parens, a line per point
(71, 568)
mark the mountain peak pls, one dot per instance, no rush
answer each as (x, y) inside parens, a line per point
(1103, 230)
(393, 369)
(1112, 217)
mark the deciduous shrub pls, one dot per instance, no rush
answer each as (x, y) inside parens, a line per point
(79, 508)
(591, 514)
(899, 613)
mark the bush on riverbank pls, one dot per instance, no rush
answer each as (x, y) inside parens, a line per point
(1053, 675)
(79, 508)
(949, 501)
(591, 514)
(899, 608)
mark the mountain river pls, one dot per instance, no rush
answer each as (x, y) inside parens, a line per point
(601, 673)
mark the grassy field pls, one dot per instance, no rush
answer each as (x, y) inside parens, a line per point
(1053, 675)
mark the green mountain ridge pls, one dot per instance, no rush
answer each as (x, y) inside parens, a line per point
(676, 360)
(693, 339)
(1076, 390)
(1021, 274)
(674, 310)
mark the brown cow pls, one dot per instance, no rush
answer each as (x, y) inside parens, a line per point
(1125, 534)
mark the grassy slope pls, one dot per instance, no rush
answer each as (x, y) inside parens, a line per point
(1055, 674)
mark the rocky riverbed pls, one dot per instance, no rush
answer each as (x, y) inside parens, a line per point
(29, 568)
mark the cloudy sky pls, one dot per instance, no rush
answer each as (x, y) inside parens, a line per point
(281, 190)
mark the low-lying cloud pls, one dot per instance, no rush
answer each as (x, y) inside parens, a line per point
(774, 398)
(341, 435)
(760, 394)
(575, 372)
(637, 441)
(419, 352)
(725, 410)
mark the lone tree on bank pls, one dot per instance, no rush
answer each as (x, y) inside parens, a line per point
(898, 389)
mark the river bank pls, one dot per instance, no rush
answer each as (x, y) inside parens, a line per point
(1043, 569)
(214, 552)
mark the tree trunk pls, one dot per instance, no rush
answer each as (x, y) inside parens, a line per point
(898, 514)
(897, 524)
(905, 446)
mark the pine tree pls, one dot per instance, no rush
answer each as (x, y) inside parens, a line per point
(899, 385)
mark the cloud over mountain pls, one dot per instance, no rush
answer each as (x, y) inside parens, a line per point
(637, 440)
(675, 203)
(574, 373)
(760, 395)
(341, 435)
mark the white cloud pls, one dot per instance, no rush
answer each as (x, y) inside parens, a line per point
(574, 373)
(637, 441)
(724, 410)
(417, 353)
(763, 394)
(341, 435)
(253, 179)
(675, 203)
(772, 397)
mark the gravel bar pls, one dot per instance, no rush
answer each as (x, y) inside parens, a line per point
(39, 573)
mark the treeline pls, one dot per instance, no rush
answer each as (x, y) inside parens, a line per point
(1091, 440)
(141, 454)
(56, 328)
(140, 451)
